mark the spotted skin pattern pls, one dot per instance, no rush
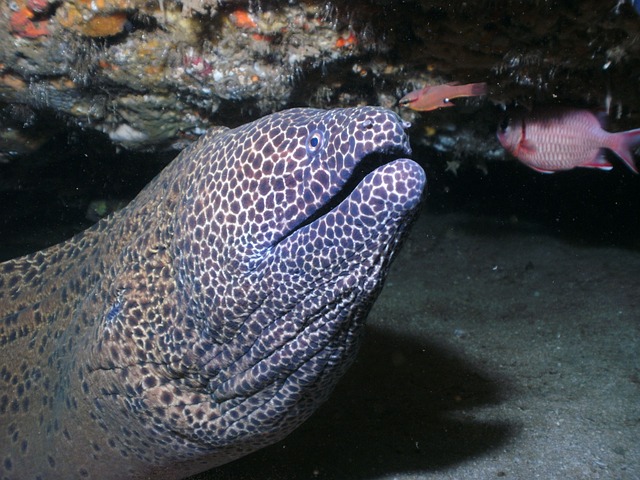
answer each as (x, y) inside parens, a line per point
(212, 315)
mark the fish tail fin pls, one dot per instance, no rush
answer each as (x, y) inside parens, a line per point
(624, 144)
(477, 89)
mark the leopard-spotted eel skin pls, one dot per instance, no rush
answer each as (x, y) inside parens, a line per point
(212, 315)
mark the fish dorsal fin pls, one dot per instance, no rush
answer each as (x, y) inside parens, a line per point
(602, 117)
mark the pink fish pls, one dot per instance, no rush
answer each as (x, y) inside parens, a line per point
(439, 96)
(559, 138)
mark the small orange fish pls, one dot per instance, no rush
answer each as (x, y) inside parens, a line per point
(439, 96)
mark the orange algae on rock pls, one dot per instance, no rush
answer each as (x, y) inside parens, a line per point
(344, 42)
(99, 25)
(22, 25)
(12, 82)
(105, 25)
(242, 19)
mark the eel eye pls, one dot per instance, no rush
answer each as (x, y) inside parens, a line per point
(315, 141)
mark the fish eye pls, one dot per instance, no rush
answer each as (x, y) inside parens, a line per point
(315, 141)
(504, 124)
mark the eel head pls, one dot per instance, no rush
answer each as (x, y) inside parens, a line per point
(282, 235)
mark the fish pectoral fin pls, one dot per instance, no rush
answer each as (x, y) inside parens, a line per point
(527, 147)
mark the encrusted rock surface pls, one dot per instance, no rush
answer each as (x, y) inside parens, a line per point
(154, 74)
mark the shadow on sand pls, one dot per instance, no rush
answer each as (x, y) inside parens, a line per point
(396, 410)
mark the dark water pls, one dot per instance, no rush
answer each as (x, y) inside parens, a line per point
(45, 196)
(49, 193)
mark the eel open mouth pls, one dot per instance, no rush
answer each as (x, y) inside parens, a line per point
(325, 270)
(356, 232)
(365, 166)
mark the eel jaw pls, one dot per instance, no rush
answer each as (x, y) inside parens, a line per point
(313, 256)
(365, 165)
(345, 272)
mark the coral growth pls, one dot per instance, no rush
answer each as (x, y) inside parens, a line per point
(100, 24)
(23, 23)
(208, 62)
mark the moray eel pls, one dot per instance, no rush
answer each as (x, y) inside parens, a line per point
(213, 314)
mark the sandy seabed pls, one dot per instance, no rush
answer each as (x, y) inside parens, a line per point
(496, 350)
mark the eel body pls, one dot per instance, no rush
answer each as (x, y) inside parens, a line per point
(213, 314)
